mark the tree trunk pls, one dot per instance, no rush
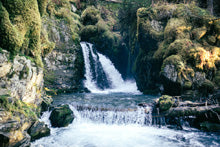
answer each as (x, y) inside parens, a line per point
(191, 111)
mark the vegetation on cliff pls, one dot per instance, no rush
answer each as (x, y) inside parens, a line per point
(185, 43)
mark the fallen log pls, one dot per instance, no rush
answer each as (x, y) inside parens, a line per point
(192, 104)
(190, 111)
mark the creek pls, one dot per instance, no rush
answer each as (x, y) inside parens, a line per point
(109, 116)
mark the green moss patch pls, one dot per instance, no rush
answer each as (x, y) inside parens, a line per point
(18, 107)
(166, 102)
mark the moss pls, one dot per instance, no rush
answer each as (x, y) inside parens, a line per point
(179, 46)
(21, 25)
(198, 33)
(149, 25)
(176, 28)
(175, 60)
(187, 85)
(206, 87)
(165, 102)
(90, 16)
(184, 73)
(217, 78)
(211, 39)
(46, 45)
(42, 4)
(18, 107)
(49, 78)
(88, 32)
(202, 59)
(159, 53)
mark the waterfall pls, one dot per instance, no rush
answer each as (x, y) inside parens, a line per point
(101, 75)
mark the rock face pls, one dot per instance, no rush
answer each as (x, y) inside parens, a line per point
(14, 131)
(24, 79)
(61, 116)
(38, 130)
(30, 30)
(178, 50)
(64, 66)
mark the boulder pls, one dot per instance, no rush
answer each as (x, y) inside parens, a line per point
(38, 130)
(61, 116)
(208, 126)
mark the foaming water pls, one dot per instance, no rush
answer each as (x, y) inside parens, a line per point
(118, 123)
(88, 131)
(111, 80)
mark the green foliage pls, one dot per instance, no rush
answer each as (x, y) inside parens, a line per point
(176, 29)
(20, 28)
(61, 10)
(16, 106)
(90, 16)
(187, 85)
(49, 78)
(166, 102)
(42, 4)
(98, 32)
(127, 14)
(46, 45)
(174, 60)
(206, 87)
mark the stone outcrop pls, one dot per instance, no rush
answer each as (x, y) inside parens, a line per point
(61, 116)
(64, 66)
(24, 80)
(179, 50)
(38, 130)
(20, 96)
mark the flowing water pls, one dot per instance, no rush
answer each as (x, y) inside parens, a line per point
(109, 116)
(114, 120)
(101, 75)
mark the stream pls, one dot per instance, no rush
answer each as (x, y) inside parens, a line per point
(109, 116)
(122, 124)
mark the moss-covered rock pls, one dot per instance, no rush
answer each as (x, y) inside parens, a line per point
(38, 130)
(166, 102)
(20, 28)
(208, 126)
(176, 28)
(183, 39)
(90, 16)
(206, 87)
(61, 116)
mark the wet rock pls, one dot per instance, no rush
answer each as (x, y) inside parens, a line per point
(208, 126)
(38, 130)
(46, 103)
(61, 116)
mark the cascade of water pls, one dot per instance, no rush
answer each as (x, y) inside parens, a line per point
(104, 78)
(138, 116)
